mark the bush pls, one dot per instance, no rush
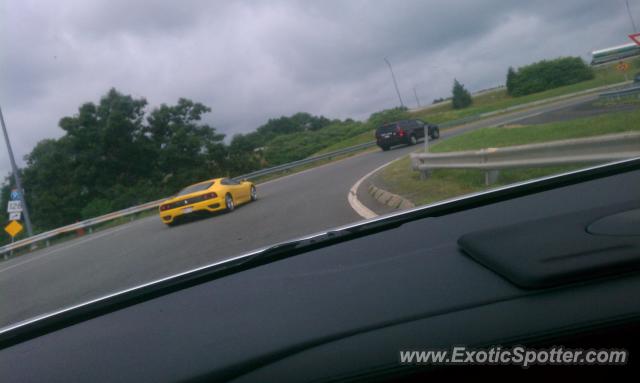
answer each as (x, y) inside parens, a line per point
(388, 115)
(296, 146)
(96, 208)
(461, 97)
(547, 74)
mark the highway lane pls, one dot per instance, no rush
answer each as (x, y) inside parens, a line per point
(145, 250)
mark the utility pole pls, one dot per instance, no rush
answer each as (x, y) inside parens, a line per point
(633, 23)
(16, 176)
(416, 94)
(393, 76)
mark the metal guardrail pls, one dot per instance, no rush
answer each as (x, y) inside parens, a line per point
(619, 93)
(305, 161)
(582, 150)
(89, 223)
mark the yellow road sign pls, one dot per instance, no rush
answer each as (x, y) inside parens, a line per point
(622, 66)
(13, 228)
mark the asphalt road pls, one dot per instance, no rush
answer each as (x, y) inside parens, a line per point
(142, 251)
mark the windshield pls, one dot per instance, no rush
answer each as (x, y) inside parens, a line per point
(195, 188)
(111, 108)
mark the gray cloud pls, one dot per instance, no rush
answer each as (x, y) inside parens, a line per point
(252, 60)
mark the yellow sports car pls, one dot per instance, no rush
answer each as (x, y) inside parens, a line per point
(212, 195)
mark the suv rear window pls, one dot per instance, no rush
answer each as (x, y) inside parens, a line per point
(387, 128)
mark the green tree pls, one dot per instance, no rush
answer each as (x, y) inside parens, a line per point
(106, 143)
(52, 180)
(185, 150)
(548, 74)
(461, 98)
(103, 145)
(113, 155)
(511, 79)
(271, 143)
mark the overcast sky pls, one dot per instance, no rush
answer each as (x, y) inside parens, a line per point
(253, 60)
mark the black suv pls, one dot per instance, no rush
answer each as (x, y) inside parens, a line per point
(403, 132)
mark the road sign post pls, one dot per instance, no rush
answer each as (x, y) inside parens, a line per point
(623, 67)
(13, 229)
(16, 175)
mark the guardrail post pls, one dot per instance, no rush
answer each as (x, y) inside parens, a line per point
(491, 177)
(416, 165)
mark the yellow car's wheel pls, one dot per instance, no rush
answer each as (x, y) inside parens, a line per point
(254, 193)
(228, 202)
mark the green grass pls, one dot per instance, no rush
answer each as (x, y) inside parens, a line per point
(400, 179)
(361, 138)
(509, 136)
(492, 101)
(496, 100)
(488, 102)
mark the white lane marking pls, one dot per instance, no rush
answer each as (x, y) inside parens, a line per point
(91, 238)
(352, 196)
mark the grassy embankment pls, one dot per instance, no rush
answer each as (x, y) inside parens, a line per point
(496, 100)
(483, 103)
(398, 177)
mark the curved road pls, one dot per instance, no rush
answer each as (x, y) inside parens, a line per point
(145, 250)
